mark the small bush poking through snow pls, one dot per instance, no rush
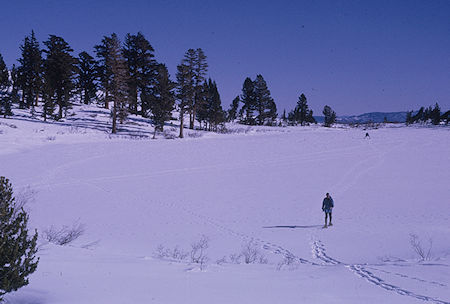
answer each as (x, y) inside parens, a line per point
(175, 253)
(250, 254)
(198, 251)
(169, 135)
(289, 260)
(64, 235)
(194, 134)
(423, 253)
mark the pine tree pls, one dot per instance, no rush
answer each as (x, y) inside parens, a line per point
(86, 78)
(118, 85)
(48, 98)
(201, 105)
(303, 109)
(5, 96)
(15, 85)
(233, 111)
(163, 101)
(200, 70)
(185, 92)
(189, 62)
(264, 103)
(59, 70)
(409, 115)
(420, 115)
(18, 250)
(104, 72)
(271, 114)
(212, 112)
(30, 71)
(445, 117)
(248, 99)
(436, 114)
(301, 114)
(330, 116)
(284, 117)
(139, 55)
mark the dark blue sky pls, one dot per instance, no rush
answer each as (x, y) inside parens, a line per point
(356, 56)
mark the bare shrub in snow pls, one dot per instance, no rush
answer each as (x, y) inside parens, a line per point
(424, 253)
(23, 198)
(166, 253)
(162, 252)
(194, 134)
(169, 135)
(289, 260)
(179, 254)
(251, 253)
(64, 235)
(235, 258)
(51, 138)
(198, 251)
(222, 260)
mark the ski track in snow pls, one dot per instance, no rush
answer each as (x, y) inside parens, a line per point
(317, 247)
(319, 252)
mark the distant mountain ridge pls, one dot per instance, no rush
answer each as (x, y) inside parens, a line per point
(369, 117)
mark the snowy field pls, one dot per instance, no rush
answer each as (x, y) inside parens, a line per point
(258, 191)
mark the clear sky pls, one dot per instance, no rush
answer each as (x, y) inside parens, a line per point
(356, 56)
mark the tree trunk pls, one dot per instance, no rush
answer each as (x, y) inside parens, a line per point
(191, 119)
(181, 124)
(114, 118)
(106, 100)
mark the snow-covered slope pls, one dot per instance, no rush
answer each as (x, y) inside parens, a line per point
(260, 186)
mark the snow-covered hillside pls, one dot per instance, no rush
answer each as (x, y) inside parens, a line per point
(260, 189)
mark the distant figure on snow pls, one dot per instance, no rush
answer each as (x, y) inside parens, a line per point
(327, 207)
(367, 135)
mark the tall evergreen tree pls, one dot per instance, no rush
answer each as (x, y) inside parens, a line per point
(5, 96)
(15, 85)
(139, 55)
(17, 248)
(163, 101)
(301, 113)
(233, 111)
(200, 70)
(86, 78)
(185, 92)
(118, 86)
(30, 71)
(409, 117)
(189, 62)
(210, 111)
(248, 99)
(264, 103)
(104, 72)
(59, 69)
(330, 116)
(303, 109)
(436, 114)
(284, 117)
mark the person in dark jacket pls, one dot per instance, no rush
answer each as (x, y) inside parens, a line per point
(327, 207)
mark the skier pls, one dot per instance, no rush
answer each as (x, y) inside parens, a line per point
(327, 207)
(367, 135)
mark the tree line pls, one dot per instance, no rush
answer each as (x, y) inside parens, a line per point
(430, 114)
(124, 78)
(127, 79)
